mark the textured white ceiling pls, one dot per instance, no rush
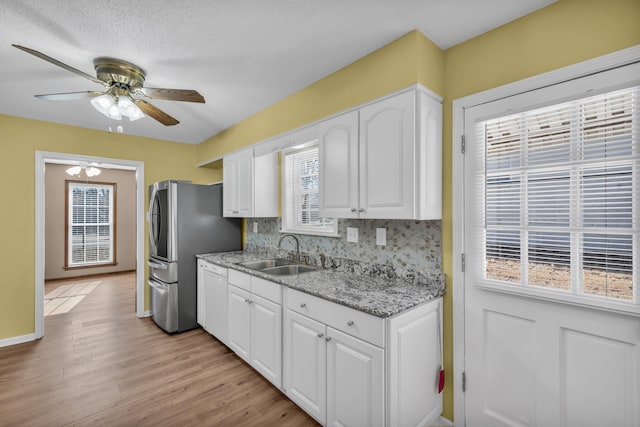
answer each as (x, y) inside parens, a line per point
(241, 55)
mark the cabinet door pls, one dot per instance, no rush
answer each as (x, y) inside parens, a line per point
(387, 165)
(215, 297)
(239, 322)
(230, 193)
(266, 339)
(244, 180)
(413, 352)
(338, 155)
(355, 381)
(305, 364)
(200, 310)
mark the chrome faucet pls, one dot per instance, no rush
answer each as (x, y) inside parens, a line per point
(297, 244)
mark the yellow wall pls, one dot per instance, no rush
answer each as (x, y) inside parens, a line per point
(19, 140)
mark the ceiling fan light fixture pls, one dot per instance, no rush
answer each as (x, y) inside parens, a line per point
(106, 104)
(91, 171)
(75, 170)
(128, 108)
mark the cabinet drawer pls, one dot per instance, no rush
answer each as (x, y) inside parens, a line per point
(240, 279)
(353, 322)
(266, 289)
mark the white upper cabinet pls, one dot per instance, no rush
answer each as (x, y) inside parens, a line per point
(250, 184)
(383, 160)
(338, 154)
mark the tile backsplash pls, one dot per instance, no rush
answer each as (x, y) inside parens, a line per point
(411, 245)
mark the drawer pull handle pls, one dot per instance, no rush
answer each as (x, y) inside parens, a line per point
(327, 339)
(320, 334)
(354, 210)
(303, 305)
(350, 323)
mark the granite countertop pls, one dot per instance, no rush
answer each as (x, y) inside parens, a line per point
(367, 289)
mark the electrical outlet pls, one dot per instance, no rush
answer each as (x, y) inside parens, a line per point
(255, 227)
(352, 234)
(381, 236)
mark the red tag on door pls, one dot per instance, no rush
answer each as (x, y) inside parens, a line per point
(441, 381)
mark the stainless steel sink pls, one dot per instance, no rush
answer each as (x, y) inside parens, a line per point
(266, 263)
(278, 266)
(287, 270)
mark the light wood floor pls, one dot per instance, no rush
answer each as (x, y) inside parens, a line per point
(100, 365)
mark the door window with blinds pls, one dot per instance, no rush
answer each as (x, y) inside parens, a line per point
(90, 236)
(561, 197)
(301, 195)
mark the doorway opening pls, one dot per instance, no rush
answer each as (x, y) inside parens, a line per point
(68, 160)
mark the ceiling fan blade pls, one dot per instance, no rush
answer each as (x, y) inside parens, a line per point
(171, 94)
(155, 113)
(69, 96)
(60, 64)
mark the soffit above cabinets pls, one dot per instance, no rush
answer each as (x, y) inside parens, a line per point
(242, 56)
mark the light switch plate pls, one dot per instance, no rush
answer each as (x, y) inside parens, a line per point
(381, 236)
(255, 227)
(352, 234)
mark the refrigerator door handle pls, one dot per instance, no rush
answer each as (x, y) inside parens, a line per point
(152, 225)
(158, 285)
(157, 265)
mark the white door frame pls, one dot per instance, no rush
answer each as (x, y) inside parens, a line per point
(43, 157)
(592, 66)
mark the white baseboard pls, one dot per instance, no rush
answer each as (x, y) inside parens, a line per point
(17, 340)
(145, 314)
(442, 422)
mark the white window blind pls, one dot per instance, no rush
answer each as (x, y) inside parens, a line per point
(561, 196)
(90, 224)
(301, 194)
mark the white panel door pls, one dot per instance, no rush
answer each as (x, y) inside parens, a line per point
(537, 355)
(305, 364)
(387, 158)
(338, 155)
(266, 339)
(355, 381)
(239, 322)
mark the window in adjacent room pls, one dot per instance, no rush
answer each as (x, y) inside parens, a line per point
(301, 210)
(90, 224)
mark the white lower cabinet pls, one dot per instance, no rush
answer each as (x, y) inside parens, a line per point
(334, 377)
(255, 323)
(347, 368)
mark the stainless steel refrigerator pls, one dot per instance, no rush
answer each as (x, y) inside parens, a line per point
(185, 219)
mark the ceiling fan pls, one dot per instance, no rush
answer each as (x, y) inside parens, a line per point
(122, 80)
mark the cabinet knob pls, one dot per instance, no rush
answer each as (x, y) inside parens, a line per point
(354, 210)
(327, 339)
(350, 323)
(320, 335)
(303, 305)
(361, 210)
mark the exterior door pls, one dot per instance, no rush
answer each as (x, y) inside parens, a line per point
(552, 326)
